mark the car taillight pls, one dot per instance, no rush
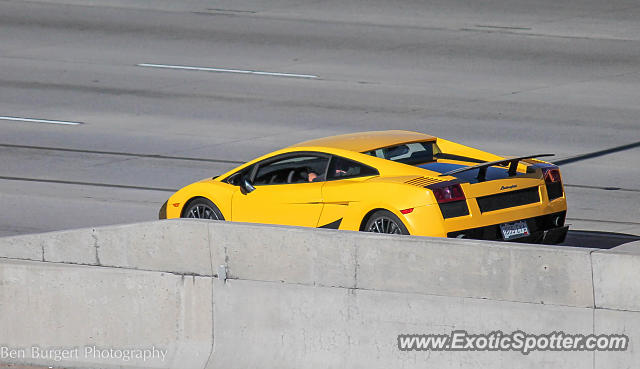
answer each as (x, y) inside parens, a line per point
(553, 182)
(551, 175)
(448, 193)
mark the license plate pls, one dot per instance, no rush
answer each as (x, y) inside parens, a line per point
(514, 230)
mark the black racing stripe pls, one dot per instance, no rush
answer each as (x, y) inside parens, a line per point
(603, 188)
(332, 225)
(117, 153)
(596, 154)
(88, 184)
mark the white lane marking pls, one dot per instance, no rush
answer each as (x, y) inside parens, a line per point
(221, 70)
(32, 120)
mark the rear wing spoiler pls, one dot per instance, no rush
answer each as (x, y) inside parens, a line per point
(482, 172)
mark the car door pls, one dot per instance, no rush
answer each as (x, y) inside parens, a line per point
(288, 191)
(340, 191)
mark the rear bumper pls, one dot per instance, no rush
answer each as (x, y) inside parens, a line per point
(546, 229)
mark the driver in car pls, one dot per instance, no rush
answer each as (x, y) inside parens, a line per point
(313, 176)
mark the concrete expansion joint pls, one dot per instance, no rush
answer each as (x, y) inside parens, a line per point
(213, 303)
(190, 274)
(355, 267)
(593, 311)
(181, 274)
(222, 273)
(223, 269)
(595, 307)
(353, 289)
(615, 309)
(21, 259)
(280, 281)
(593, 283)
(95, 245)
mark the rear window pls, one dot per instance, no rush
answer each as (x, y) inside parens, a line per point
(408, 153)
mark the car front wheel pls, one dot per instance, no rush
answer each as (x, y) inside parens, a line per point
(201, 208)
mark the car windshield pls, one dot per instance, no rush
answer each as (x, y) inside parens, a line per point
(408, 153)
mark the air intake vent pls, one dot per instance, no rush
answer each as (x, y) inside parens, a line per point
(422, 181)
(508, 199)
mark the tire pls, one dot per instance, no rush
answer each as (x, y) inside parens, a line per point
(201, 208)
(384, 221)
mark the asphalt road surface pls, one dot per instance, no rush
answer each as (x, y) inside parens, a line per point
(513, 77)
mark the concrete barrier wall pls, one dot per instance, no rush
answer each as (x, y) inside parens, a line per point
(48, 306)
(303, 298)
(180, 247)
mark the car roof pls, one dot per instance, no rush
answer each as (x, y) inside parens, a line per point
(366, 141)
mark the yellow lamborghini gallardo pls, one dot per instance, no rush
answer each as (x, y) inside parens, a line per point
(397, 182)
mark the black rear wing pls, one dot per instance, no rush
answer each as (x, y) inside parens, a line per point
(482, 168)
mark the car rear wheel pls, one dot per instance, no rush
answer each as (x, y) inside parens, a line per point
(383, 221)
(202, 208)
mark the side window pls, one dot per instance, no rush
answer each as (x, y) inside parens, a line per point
(341, 168)
(235, 178)
(297, 169)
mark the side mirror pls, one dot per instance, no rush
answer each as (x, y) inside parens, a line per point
(245, 186)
